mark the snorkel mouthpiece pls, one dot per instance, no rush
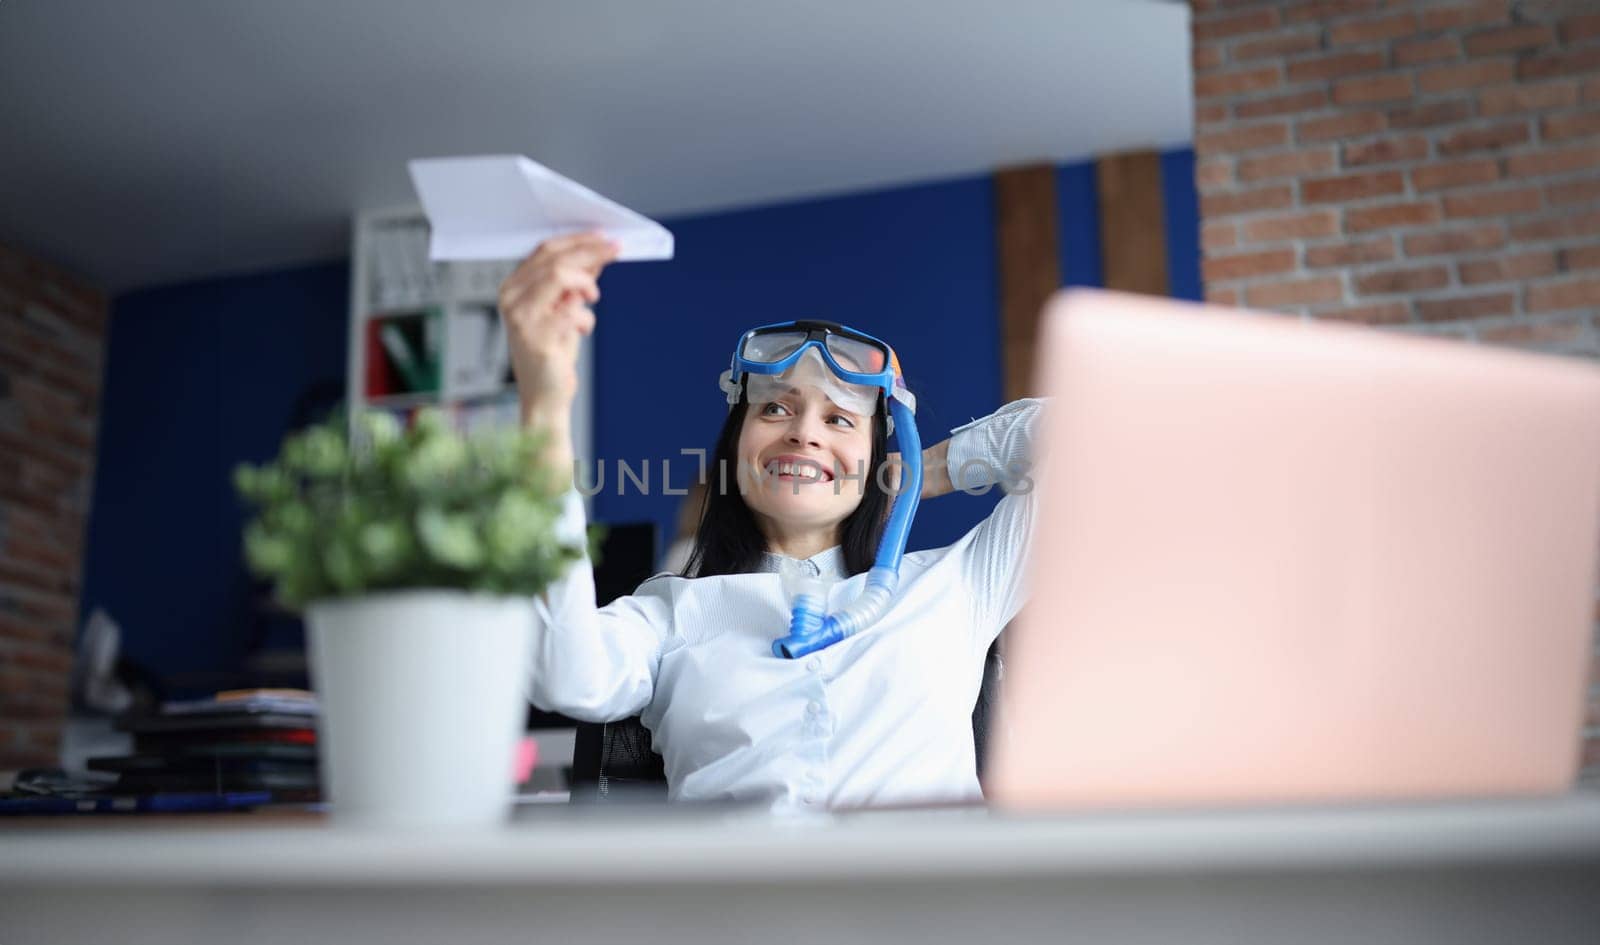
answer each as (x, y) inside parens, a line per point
(809, 629)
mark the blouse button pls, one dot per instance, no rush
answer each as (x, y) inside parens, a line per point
(814, 664)
(813, 708)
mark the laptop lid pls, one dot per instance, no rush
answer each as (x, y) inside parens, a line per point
(1283, 561)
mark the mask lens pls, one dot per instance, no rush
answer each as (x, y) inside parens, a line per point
(811, 372)
(773, 346)
(855, 355)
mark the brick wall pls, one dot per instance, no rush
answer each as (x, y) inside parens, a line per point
(52, 331)
(1423, 166)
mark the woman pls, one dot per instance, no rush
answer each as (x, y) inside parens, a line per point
(882, 717)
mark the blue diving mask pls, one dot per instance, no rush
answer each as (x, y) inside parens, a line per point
(855, 359)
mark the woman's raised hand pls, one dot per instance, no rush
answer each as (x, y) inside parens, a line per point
(546, 306)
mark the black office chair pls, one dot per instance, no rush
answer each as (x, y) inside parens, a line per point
(616, 760)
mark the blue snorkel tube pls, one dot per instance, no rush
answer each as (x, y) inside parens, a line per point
(809, 629)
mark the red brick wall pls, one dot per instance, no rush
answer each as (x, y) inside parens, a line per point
(52, 335)
(1427, 166)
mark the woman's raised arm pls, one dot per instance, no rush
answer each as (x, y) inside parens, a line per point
(545, 303)
(589, 662)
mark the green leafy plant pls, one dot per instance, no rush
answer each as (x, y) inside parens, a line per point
(424, 507)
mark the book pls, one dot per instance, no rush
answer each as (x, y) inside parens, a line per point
(148, 804)
(408, 345)
(287, 701)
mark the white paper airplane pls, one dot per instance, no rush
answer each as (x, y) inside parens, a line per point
(503, 206)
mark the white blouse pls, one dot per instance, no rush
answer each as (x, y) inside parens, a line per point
(884, 717)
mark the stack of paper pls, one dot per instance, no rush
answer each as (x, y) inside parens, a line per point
(504, 206)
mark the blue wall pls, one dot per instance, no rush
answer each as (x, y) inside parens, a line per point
(1078, 214)
(203, 376)
(199, 377)
(1181, 203)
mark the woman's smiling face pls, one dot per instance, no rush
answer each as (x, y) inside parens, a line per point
(803, 460)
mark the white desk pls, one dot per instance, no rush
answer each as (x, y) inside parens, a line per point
(1505, 872)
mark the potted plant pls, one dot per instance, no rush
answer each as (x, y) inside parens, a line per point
(414, 555)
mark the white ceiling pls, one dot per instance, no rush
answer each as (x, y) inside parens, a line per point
(152, 141)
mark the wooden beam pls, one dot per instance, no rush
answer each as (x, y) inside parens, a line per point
(1029, 266)
(1133, 226)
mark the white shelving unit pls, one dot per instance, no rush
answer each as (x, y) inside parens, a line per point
(448, 314)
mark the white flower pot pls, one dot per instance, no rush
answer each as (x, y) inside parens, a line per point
(422, 703)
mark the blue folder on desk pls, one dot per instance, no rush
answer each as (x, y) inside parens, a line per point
(146, 804)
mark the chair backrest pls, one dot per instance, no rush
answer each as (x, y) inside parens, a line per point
(611, 759)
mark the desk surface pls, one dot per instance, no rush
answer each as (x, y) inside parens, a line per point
(1469, 873)
(564, 846)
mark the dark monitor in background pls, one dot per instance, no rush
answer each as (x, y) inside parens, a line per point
(627, 559)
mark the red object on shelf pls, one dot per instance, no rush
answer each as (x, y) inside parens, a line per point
(381, 378)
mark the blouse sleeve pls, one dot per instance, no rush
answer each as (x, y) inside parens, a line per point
(998, 450)
(595, 664)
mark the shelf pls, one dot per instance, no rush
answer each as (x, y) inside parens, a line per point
(403, 401)
(390, 311)
(423, 398)
(465, 348)
(508, 392)
(464, 301)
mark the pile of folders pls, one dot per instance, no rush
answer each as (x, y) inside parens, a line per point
(240, 740)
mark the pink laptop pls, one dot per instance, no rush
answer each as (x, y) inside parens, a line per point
(1281, 561)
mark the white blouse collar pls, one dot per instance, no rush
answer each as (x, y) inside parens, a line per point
(827, 564)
